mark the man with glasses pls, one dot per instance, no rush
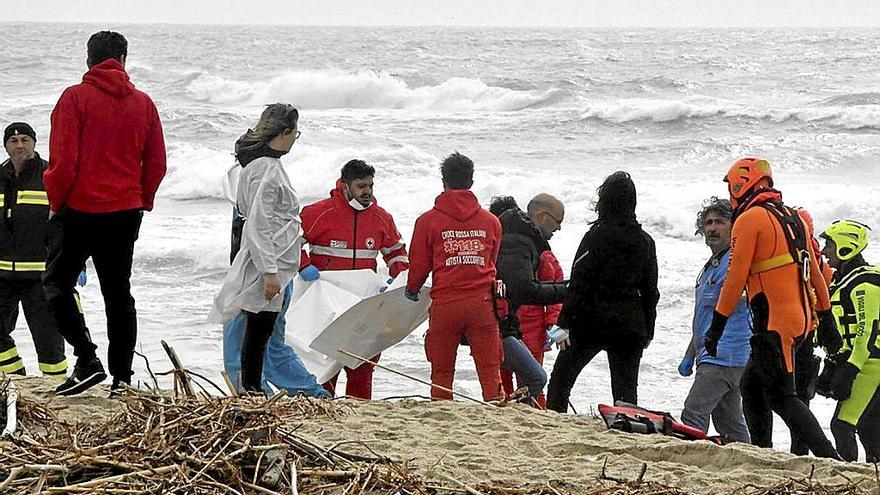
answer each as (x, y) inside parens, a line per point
(524, 240)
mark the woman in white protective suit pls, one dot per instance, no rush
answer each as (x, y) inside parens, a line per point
(271, 240)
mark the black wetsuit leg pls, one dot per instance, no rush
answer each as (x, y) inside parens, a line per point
(569, 365)
(756, 407)
(869, 429)
(767, 367)
(253, 348)
(806, 366)
(844, 437)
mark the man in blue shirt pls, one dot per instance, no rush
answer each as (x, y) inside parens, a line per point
(715, 391)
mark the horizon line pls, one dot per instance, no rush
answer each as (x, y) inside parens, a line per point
(456, 26)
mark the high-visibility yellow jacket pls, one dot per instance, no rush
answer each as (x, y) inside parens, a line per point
(25, 232)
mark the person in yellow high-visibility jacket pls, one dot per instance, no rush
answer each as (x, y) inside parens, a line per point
(855, 379)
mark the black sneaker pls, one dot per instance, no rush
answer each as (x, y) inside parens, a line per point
(83, 376)
(117, 389)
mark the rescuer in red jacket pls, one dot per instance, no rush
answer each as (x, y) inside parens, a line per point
(347, 231)
(457, 242)
(106, 161)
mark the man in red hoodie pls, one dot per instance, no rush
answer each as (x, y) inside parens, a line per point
(107, 158)
(458, 241)
(347, 231)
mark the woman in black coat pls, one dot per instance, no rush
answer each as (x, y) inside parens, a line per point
(612, 302)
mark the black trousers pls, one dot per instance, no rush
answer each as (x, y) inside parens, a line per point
(108, 238)
(623, 363)
(258, 329)
(768, 387)
(806, 372)
(47, 340)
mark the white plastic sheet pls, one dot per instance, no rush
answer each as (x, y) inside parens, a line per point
(344, 310)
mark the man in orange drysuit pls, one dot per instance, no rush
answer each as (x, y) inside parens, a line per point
(774, 259)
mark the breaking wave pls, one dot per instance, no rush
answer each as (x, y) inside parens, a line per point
(314, 89)
(839, 112)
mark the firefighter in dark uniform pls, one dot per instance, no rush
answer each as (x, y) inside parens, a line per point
(24, 237)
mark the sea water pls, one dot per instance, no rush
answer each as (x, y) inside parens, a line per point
(538, 110)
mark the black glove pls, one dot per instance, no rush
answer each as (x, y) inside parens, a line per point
(843, 380)
(827, 335)
(716, 329)
(825, 381)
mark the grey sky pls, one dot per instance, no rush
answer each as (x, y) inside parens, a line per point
(593, 13)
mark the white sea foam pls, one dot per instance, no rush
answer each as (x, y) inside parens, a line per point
(662, 110)
(331, 89)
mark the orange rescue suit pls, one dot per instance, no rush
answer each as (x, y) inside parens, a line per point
(757, 237)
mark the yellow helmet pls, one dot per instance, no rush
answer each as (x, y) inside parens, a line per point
(850, 238)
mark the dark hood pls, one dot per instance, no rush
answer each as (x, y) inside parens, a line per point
(110, 77)
(514, 221)
(460, 204)
(249, 152)
(756, 198)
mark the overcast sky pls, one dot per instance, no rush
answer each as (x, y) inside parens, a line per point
(591, 13)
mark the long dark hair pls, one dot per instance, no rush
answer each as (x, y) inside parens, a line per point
(616, 202)
(275, 119)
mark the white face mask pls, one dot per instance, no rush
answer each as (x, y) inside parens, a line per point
(353, 202)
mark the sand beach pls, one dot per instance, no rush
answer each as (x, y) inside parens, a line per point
(461, 447)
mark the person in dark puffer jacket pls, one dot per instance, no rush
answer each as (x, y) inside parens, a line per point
(524, 238)
(612, 301)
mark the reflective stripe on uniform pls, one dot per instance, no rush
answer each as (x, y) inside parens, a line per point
(30, 266)
(345, 253)
(8, 354)
(392, 248)
(2, 200)
(79, 305)
(23, 266)
(771, 263)
(54, 369)
(398, 259)
(13, 367)
(33, 198)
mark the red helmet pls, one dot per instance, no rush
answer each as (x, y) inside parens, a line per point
(744, 174)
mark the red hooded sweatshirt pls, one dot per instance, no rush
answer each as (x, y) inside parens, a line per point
(458, 241)
(341, 238)
(107, 152)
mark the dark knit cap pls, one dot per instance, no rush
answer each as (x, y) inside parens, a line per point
(18, 128)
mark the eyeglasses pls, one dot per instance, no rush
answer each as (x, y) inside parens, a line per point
(296, 135)
(558, 221)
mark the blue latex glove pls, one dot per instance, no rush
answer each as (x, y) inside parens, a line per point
(82, 279)
(556, 334)
(412, 296)
(310, 273)
(686, 368)
(387, 283)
